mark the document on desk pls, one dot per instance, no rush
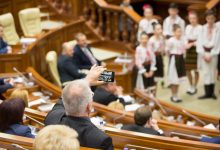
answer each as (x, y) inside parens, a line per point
(27, 40)
(132, 107)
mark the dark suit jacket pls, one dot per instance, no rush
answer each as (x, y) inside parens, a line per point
(20, 130)
(89, 134)
(81, 59)
(68, 71)
(104, 97)
(3, 46)
(137, 128)
(3, 87)
(215, 140)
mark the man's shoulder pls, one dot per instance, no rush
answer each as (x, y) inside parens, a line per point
(62, 58)
(97, 136)
(89, 134)
(77, 48)
(136, 128)
(101, 94)
(56, 115)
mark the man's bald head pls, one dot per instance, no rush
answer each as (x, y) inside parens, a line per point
(77, 95)
(67, 49)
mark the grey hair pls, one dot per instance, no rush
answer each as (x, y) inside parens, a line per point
(65, 47)
(78, 35)
(76, 95)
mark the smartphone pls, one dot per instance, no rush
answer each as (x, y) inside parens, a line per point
(107, 76)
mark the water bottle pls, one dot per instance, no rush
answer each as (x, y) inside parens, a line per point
(24, 47)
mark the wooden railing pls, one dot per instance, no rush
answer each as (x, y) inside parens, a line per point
(105, 19)
(63, 8)
(210, 4)
(121, 138)
(13, 142)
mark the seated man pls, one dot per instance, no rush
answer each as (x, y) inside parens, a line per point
(68, 70)
(108, 93)
(74, 109)
(5, 84)
(4, 48)
(144, 122)
(83, 56)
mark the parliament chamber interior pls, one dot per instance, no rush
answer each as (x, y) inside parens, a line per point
(109, 74)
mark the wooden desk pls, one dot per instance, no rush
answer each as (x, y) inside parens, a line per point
(174, 110)
(110, 115)
(6, 141)
(122, 138)
(8, 61)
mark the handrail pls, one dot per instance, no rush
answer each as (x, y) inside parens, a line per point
(212, 3)
(130, 13)
(204, 117)
(193, 137)
(202, 6)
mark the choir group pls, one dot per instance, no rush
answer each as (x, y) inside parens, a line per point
(191, 49)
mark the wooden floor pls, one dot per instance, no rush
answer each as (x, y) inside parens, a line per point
(209, 106)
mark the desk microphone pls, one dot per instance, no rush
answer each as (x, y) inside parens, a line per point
(21, 74)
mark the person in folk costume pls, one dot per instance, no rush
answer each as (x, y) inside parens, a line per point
(146, 24)
(208, 47)
(172, 19)
(128, 23)
(218, 26)
(176, 48)
(144, 65)
(192, 59)
(157, 46)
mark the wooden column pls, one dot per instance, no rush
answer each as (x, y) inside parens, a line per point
(134, 34)
(108, 25)
(85, 6)
(116, 31)
(100, 23)
(93, 14)
(125, 31)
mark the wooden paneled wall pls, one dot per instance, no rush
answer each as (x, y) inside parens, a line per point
(8, 61)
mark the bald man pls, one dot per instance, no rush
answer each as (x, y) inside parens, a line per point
(68, 70)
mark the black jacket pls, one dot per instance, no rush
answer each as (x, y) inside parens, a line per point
(3, 46)
(68, 71)
(4, 87)
(81, 59)
(137, 128)
(89, 134)
(104, 97)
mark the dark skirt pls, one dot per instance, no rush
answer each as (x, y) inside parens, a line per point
(191, 59)
(219, 64)
(148, 82)
(160, 66)
(180, 65)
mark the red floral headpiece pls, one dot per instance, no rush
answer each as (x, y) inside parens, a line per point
(146, 6)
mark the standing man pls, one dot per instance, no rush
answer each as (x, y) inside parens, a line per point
(208, 47)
